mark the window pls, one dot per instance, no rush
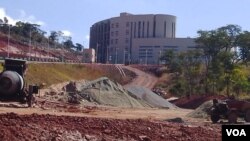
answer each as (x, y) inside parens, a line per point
(127, 24)
(117, 25)
(143, 24)
(111, 41)
(139, 30)
(165, 28)
(135, 30)
(127, 32)
(116, 33)
(116, 41)
(112, 33)
(126, 40)
(147, 29)
(112, 25)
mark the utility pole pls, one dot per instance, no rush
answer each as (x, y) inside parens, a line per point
(48, 48)
(30, 46)
(8, 53)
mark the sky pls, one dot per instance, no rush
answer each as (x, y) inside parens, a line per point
(75, 17)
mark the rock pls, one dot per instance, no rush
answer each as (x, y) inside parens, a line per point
(144, 138)
(177, 120)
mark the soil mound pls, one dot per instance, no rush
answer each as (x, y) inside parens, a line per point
(101, 91)
(106, 92)
(195, 101)
(150, 97)
(202, 111)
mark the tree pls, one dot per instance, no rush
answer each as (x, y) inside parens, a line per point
(5, 19)
(68, 44)
(229, 34)
(220, 59)
(243, 42)
(4, 25)
(168, 57)
(53, 36)
(79, 47)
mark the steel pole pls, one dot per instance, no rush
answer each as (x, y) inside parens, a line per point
(8, 53)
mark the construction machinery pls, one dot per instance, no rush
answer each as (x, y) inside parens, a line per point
(230, 109)
(12, 84)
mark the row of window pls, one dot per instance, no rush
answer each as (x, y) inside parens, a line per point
(115, 41)
(160, 46)
(116, 33)
(115, 25)
(149, 46)
(143, 56)
(145, 49)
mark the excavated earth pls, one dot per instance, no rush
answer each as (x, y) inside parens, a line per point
(65, 128)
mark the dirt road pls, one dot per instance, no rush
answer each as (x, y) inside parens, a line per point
(143, 79)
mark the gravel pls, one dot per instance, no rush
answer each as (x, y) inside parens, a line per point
(150, 97)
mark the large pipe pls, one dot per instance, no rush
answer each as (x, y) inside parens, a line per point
(11, 83)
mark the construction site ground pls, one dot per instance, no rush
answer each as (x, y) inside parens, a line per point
(49, 120)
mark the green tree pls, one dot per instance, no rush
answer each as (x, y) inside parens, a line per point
(68, 44)
(243, 42)
(79, 47)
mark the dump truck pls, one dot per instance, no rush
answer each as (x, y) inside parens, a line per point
(12, 84)
(230, 109)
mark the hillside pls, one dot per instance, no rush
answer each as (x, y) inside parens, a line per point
(43, 52)
(54, 73)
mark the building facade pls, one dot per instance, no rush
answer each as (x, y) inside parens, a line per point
(89, 56)
(136, 38)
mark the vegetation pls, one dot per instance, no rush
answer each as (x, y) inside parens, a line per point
(220, 65)
(27, 33)
(56, 73)
(1, 67)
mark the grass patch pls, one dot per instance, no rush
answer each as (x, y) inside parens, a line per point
(1, 67)
(57, 73)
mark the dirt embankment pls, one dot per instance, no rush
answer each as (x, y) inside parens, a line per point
(46, 127)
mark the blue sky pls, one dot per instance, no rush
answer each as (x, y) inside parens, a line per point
(75, 17)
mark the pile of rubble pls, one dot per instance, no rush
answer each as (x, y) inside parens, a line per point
(150, 97)
(160, 92)
(103, 91)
